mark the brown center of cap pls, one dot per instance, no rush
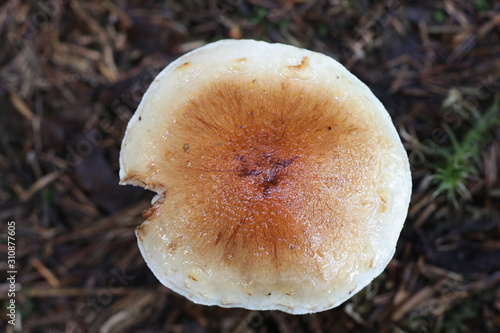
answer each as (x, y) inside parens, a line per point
(268, 173)
(265, 170)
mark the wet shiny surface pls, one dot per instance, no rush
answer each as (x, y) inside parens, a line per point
(271, 179)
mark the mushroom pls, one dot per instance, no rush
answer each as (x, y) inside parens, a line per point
(281, 181)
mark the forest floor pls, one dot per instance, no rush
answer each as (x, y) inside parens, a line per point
(73, 72)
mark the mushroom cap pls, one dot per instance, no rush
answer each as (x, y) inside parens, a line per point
(281, 181)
